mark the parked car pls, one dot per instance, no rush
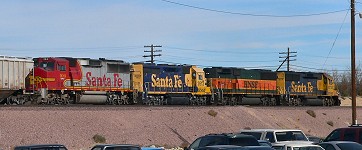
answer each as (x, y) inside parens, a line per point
(296, 145)
(341, 145)
(234, 147)
(223, 139)
(351, 133)
(116, 147)
(277, 135)
(41, 147)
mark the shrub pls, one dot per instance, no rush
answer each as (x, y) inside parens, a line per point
(99, 138)
(311, 113)
(247, 128)
(184, 144)
(330, 123)
(212, 113)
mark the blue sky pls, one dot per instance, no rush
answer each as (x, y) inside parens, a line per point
(118, 29)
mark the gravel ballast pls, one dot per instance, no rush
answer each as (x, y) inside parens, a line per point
(161, 126)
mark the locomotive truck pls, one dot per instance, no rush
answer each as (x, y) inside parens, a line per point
(64, 80)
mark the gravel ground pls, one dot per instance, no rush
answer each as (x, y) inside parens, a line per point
(162, 126)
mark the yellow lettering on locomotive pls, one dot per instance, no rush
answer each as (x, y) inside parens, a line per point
(301, 87)
(310, 87)
(166, 82)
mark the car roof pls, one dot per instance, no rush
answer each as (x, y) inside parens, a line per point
(226, 146)
(337, 142)
(232, 135)
(40, 145)
(270, 130)
(289, 143)
(109, 145)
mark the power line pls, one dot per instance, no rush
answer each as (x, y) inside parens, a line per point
(334, 42)
(220, 51)
(250, 14)
(216, 60)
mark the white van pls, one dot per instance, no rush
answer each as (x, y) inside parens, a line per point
(277, 135)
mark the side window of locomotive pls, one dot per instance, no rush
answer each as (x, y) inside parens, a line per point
(200, 77)
(61, 68)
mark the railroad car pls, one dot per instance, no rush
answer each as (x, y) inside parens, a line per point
(13, 71)
(233, 86)
(162, 84)
(62, 80)
(307, 88)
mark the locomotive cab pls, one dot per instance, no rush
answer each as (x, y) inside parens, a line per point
(49, 73)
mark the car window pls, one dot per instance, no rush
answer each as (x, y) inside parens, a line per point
(349, 146)
(245, 141)
(195, 144)
(334, 136)
(278, 147)
(270, 137)
(290, 136)
(207, 141)
(349, 135)
(289, 148)
(257, 135)
(327, 146)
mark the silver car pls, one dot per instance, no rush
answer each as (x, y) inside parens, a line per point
(341, 145)
(296, 145)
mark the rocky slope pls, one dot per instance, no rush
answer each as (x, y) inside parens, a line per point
(164, 126)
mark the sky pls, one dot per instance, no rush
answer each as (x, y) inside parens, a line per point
(229, 33)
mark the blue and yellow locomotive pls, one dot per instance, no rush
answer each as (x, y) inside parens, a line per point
(161, 84)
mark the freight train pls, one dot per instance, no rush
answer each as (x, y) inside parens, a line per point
(66, 80)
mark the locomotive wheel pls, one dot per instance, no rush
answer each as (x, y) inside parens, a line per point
(264, 101)
(273, 102)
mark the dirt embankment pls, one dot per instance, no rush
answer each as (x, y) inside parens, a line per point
(166, 126)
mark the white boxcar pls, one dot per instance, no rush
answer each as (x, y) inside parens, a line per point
(13, 71)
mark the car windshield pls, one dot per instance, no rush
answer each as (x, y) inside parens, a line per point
(349, 146)
(291, 136)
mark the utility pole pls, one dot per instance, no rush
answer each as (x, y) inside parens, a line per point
(287, 58)
(353, 64)
(152, 53)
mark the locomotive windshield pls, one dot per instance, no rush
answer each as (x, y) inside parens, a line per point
(47, 65)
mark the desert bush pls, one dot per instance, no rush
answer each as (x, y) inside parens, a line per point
(184, 144)
(212, 113)
(311, 113)
(247, 128)
(330, 123)
(99, 138)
